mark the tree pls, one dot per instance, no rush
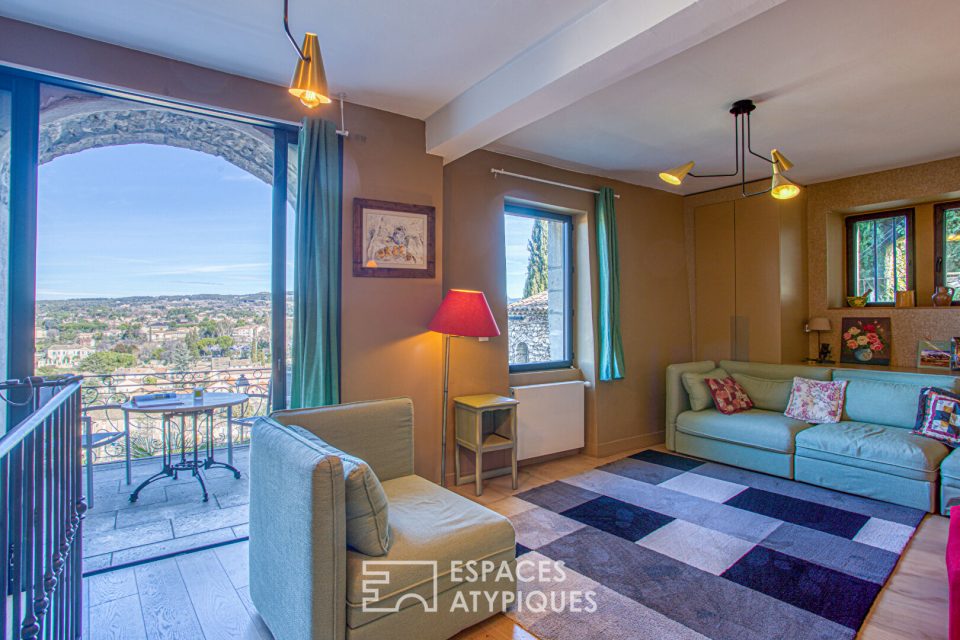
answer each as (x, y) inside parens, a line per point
(107, 361)
(537, 260)
(180, 357)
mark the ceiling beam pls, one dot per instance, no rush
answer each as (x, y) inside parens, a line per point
(614, 41)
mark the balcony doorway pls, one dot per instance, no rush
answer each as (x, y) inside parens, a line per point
(157, 272)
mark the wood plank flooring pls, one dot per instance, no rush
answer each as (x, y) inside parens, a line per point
(205, 595)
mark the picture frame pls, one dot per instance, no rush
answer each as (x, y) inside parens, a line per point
(393, 239)
(866, 341)
(934, 354)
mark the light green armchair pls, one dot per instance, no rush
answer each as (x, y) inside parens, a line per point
(308, 584)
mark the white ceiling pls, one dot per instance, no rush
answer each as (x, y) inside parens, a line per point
(617, 87)
(409, 57)
(843, 88)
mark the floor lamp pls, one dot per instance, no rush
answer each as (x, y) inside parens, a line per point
(462, 314)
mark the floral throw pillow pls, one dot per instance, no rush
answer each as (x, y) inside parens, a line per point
(938, 416)
(816, 401)
(728, 395)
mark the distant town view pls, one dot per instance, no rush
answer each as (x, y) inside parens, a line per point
(153, 335)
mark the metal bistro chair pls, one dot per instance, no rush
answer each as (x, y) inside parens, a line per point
(90, 441)
(245, 421)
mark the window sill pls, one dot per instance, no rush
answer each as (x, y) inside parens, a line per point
(885, 308)
(545, 376)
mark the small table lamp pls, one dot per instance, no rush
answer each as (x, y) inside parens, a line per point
(463, 314)
(820, 325)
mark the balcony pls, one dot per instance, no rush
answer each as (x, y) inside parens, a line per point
(169, 515)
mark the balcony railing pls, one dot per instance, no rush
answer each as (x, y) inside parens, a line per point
(42, 511)
(103, 395)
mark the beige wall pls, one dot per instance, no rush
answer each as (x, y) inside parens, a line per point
(655, 317)
(828, 202)
(386, 350)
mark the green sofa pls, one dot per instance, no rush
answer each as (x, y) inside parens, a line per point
(872, 452)
(305, 581)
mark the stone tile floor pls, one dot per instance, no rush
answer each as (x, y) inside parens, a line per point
(169, 515)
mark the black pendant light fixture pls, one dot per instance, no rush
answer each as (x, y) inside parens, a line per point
(309, 79)
(781, 187)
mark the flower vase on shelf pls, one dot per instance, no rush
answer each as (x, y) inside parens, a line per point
(943, 296)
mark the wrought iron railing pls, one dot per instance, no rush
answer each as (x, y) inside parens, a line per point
(103, 395)
(42, 511)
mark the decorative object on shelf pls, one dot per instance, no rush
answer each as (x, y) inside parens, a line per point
(906, 298)
(943, 296)
(866, 341)
(781, 187)
(955, 354)
(309, 82)
(823, 348)
(861, 300)
(393, 240)
(933, 354)
(462, 314)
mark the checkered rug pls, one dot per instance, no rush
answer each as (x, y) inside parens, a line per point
(680, 548)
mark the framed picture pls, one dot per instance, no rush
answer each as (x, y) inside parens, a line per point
(393, 240)
(933, 354)
(866, 341)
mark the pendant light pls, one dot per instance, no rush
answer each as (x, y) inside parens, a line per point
(781, 187)
(309, 82)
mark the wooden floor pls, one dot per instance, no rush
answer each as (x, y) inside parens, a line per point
(204, 596)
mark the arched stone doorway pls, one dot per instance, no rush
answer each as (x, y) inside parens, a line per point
(73, 121)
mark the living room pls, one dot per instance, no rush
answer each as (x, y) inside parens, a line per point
(482, 286)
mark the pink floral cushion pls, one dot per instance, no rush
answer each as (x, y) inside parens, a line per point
(728, 395)
(816, 401)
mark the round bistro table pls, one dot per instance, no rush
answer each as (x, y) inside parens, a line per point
(179, 409)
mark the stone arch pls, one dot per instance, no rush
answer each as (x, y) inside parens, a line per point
(72, 122)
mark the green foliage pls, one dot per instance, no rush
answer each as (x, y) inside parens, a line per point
(104, 362)
(881, 262)
(537, 261)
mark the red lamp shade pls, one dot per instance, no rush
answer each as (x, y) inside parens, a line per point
(465, 313)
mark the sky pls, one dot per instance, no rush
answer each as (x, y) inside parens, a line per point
(517, 230)
(148, 220)
(151, 220)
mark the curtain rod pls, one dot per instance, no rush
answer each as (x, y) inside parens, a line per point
(501, 172)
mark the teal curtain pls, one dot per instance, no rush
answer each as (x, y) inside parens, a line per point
(316, 280)
(608, 259)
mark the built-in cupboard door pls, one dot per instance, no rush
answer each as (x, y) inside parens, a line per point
(715, 277)
(758, 324)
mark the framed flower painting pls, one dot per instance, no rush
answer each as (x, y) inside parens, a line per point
(866, 341)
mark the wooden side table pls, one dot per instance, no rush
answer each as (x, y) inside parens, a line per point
(485, 423)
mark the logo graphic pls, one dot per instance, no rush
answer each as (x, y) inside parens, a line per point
(377, 573)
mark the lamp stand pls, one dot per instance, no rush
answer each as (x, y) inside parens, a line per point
(446, 392)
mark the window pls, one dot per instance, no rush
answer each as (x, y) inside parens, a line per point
(947, 246)
(539, 296)
(880, 255)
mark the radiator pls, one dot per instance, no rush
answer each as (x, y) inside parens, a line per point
(549, 418)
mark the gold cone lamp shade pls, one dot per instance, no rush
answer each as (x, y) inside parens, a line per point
(310, 80)
(676, 175)
(781, 188)
(781, 160)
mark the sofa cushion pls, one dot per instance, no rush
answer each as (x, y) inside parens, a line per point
(776, 371)
(728, 396)
(938, 416)
(950, 467)
(766, 393)
(875, 447)
(429, 524)
(755, 428)
(697, 390)
(878, 402)
(816, 401)
(368, 528)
